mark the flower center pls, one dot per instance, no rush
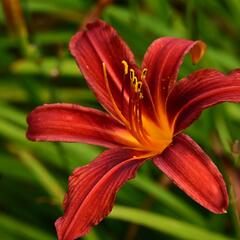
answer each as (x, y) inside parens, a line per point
(145, 131)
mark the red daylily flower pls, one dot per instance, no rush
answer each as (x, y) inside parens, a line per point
(146, 111)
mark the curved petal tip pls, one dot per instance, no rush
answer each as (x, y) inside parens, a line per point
(198, 51)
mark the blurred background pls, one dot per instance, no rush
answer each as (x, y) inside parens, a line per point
(36, 68)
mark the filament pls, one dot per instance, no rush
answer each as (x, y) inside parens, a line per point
(111, 96)
(133, 121)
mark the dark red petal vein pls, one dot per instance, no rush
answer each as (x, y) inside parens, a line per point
(163, 60)
(192, 170)
(202, 89)
(73, 123)
(97, 44)
(92, 190)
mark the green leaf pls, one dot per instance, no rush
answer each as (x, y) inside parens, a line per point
(47, 181)
(163, 224)
(21, 229)
(168, 199)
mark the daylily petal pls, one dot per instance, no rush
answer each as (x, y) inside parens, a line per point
(202, 89)
(73, 123)
(163, 60)
(92, 191)
(192, 170)
(97, 44)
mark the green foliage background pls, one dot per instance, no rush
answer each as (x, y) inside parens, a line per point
(38, 69)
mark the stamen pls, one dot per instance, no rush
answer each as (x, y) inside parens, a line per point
(131, 108)
(144, 74)
(148, 93)
(140, 125)
(135, 112)
(140, 132)
(132, 100)
(138, 87)
(135, 80)
(134, 122)
(125, 67)
(125, 64)
(132, 74)
(111, 96)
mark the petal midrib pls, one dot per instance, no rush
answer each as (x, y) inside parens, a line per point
(201, 97)
(95, 188)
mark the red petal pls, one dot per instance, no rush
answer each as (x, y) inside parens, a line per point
(97, 44)
(73, 123)
(92, 191)
(163, 60)
(192, 170)
(202, 89)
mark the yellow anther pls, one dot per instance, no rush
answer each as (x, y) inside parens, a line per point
(135, 80)
(118, 112)
(132, 74)
(135, 83)
(125, 67)
(138, 87)
(144, 73)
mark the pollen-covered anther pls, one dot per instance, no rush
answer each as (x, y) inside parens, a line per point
(138, 87)
(132, 75)
(125, 64)
(144, 74)
(135, 83)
